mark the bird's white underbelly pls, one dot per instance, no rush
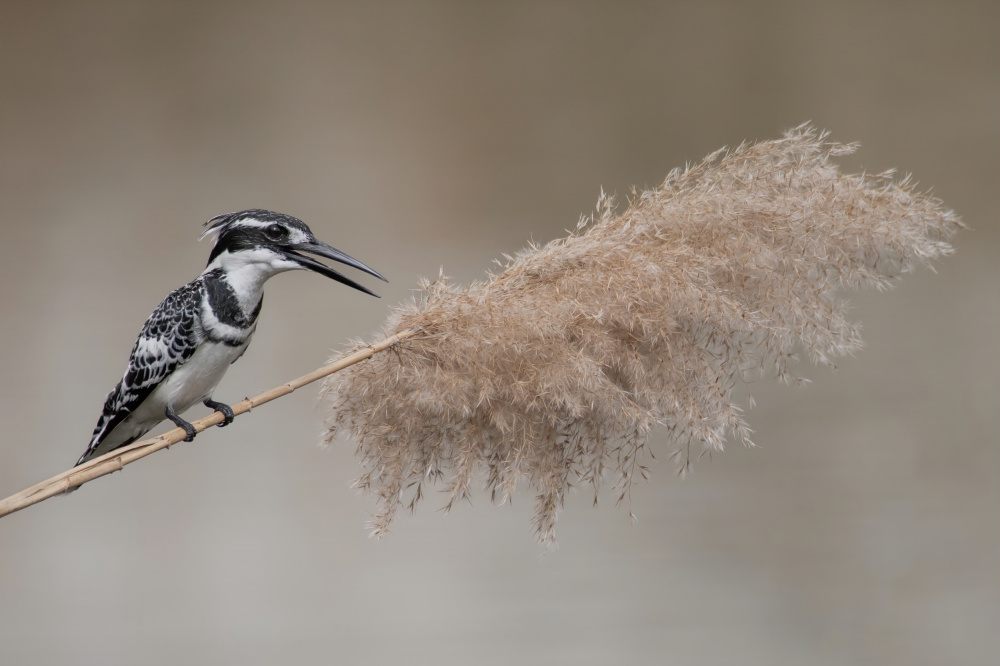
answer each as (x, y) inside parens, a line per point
(185, 387)
(195, 380)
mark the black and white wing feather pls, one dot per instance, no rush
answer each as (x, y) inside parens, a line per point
(167, 340)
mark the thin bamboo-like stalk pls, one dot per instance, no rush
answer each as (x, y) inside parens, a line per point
(117, 459)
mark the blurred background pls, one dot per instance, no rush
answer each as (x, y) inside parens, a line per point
(864, 528)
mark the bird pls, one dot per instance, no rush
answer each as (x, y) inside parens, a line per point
(200, 329)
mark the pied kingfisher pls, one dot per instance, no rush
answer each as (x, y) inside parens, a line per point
(190, 340)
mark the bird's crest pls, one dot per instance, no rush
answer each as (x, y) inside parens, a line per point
(218, 223)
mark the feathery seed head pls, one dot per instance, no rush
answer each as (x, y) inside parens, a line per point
(554, 370)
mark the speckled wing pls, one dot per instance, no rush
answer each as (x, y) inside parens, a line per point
(167, 340)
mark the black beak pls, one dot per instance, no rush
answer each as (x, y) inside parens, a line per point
(323, 250)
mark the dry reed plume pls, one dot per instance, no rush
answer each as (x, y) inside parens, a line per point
(554, 371)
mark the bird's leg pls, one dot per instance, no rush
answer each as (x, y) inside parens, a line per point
(226, 410)
(181, 423)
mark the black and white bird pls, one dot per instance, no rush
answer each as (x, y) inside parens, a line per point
(190, 340)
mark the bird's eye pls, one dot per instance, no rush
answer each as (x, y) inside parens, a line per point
(275, 232)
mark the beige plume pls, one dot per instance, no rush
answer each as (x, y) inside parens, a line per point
(554, 371)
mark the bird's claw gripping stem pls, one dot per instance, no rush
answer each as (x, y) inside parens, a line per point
(225, 409)
(181, 423)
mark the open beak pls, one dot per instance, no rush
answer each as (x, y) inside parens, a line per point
(321, 249)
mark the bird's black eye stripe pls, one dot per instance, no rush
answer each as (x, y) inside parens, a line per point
(275, 232)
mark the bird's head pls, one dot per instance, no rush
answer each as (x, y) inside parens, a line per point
(273, 243)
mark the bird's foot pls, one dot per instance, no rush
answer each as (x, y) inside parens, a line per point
(226, 410)
(181, 423)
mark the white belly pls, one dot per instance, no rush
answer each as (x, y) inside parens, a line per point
(194, 381)
(186, 386)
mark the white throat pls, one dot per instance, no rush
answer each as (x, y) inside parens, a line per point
(246, 272)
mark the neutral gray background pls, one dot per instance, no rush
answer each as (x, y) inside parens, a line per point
(863, 530)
